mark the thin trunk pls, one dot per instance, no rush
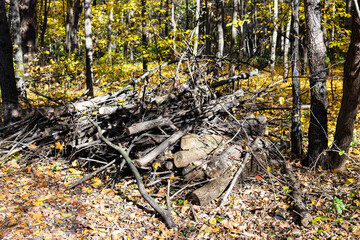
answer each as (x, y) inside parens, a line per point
(296, 136)
(44, 24)
(18, 52)
(109, 33)
(274, 36)
(69, 16)
(173, 23)
(287, 45)
(207, 27)
(28, 28)
(233, 38)
(319, 101)
(89, 48)
(220, 30)
(143, 35)
(350, 100)
(197, 22)
(9, 92)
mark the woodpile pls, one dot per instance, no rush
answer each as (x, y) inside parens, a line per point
(190, 131)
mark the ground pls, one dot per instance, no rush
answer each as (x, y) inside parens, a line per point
(36, 204)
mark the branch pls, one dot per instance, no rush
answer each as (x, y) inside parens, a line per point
(165, 214)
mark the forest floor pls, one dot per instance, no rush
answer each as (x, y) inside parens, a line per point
(36, 204)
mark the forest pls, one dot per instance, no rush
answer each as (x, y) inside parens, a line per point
(179, 119)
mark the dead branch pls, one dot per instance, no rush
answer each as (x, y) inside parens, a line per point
(165, 214)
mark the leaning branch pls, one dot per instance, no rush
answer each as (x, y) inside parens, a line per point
(165, 214)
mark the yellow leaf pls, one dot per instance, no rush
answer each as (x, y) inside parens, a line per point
(281, 100)
(356, 231)
(38, 233)
(37, 216)
(58, 146)
(208, 229)
(270, 168)
(156, 165)
(349, 181)
(38, 203)
(67, 215)
(212, 221)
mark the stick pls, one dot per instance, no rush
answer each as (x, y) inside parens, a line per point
(165, 214)
(233, 181)
(91, 174)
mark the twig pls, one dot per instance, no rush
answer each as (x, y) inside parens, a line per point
(165, 214)
(91, 174)
(234, 180)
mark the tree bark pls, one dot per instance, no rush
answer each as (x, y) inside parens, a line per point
(197, 22)
(74, 10)
(274, 36)
(233, 38)
(9, 92)
(287, 47)
(28, 28)
(296, 136)
(44, 23)
(319, 101)
(18, 52)
(350, 100)
(89, 48)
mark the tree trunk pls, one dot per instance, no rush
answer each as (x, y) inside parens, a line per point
(274, 36)
(197, 22)
(287, 47)
(143, 35)
(207, 27)
(89, 48)
(233, 38)
(220, 21)
(319, 101)
(9, 92)
(350, 100)
(109, 34)
(74, 10)
(296, 136)
(44, 24)
(18, 52)
(173, 23)
(28, 28)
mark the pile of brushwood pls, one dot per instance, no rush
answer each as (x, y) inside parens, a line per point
(183, 132)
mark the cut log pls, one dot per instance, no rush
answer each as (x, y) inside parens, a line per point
(184, 158)
(143, 126)
(147, 159)
(204, 195)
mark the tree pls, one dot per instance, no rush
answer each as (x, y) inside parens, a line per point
(9, 92)
(319, 101)
(89, 48)
(28, 28)
(73, 9)
(350, 99)
(18, 52)
(296, 136)
(274, 36)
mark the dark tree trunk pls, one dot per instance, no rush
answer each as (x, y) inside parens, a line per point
(18, 52)
(74, 10)
(9, 92)
(89, 48)
(207, 27)
(143, 34)
(44, 23)
(350, 100)
(296, 137)
(319, 101)
(28, 28)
